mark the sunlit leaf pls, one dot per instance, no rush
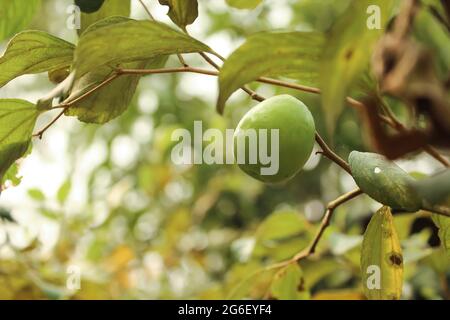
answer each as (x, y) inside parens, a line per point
(110, 8)
(294, 55)
(64, 191)
(384, 181)
(381, 258)
(15, 15)
(182, 12)
(36, 194)
(130, 41)
(244, 4)
(348, 51)
(17, 120)
(34, 52)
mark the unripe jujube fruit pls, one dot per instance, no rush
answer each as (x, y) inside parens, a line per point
(296, 136)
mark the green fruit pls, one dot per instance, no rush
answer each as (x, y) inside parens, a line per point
(296, 136)
(89, 6)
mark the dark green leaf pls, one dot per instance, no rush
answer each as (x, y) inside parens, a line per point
(384, 181)
(434, 189)
(15, 15)
(34, 52)
(347, 53)
(182, 12)
(130, 41)
(17, 120)
(110, 8)
(294, 55)
(244, 4)
(381, 258)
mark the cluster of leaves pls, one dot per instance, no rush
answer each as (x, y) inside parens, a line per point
(91, 87)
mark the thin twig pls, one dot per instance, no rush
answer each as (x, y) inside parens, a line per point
(355, 103)
(330, 154)
(40, 134)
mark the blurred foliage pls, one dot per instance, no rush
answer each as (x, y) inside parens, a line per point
(148, 229)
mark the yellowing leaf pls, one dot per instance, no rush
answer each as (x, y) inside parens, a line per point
(294, 55)
(384, 181)
(32, 52)
(348, 51)
(381, 258)
(119, 258)
(182, 12)
(17, 120)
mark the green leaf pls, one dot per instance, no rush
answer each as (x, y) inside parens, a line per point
(434, 189)
(384, 181)
(32, 52)
(17, 120)
(288, 284)
(381, 258)
(347, 53)
(64, 191)
(110, 8)
(36, 194)
(182, 12)
(244, 4)
(294, 55)
(443, 223)
(281, 235)
(15, 15)
(112, 100)
(130, 41)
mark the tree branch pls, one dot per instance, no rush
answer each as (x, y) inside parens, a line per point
(330, 154)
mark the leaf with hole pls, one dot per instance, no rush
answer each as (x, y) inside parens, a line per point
(384, 181)
(182, 12)
(295, 55)
(381, 258)
(33, 52)
(17, 120)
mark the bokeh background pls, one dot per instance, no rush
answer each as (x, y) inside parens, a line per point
(107, 201)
